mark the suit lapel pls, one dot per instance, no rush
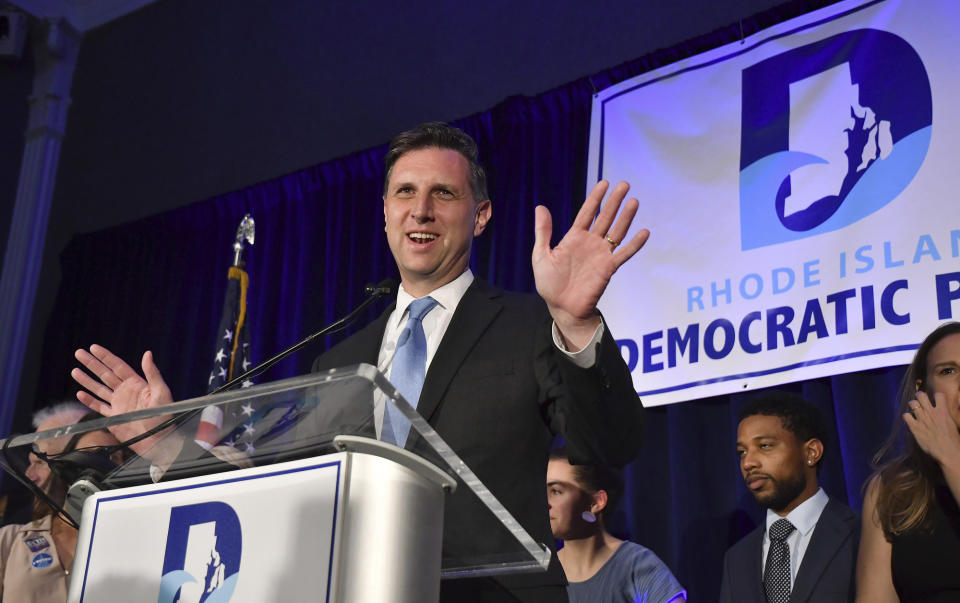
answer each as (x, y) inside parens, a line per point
(362, 346)
(754, 560)
(832, 529)
(474, 314)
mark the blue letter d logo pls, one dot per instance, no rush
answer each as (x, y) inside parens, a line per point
(202, 558)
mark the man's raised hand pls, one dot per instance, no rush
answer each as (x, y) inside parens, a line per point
(572, 276)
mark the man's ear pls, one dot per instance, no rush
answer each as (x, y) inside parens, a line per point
(384, 213)
(483, 214)
(812, 452)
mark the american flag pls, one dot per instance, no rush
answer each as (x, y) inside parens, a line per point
(231, 358)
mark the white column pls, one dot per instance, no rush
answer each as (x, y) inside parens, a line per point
(55, 56)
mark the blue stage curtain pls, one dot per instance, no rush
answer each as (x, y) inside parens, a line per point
(158, 284)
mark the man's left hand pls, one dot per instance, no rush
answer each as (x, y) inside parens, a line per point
(572, 276)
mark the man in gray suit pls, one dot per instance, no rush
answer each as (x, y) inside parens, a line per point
(806, 550)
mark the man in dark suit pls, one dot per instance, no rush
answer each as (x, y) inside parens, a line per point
(806, 550)
(497, 386)
(502, 372)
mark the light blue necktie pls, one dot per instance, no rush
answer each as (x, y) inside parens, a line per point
(409, 368)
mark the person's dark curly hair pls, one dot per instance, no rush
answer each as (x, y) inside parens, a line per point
(799, 417)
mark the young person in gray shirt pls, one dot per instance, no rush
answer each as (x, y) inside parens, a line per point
(600, 567)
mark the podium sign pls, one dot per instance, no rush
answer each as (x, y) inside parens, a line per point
(261, 534)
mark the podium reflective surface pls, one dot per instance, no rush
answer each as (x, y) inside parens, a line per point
(298, 418)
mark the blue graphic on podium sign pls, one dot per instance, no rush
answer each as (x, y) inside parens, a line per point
(831, 133)
(201, 562)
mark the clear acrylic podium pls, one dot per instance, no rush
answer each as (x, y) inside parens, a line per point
(298, 500)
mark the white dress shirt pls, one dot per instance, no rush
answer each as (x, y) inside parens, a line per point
(435, 324)
(804, 518)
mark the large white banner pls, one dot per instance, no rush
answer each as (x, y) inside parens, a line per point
(799, 191)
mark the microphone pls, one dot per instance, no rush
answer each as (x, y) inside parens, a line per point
(83, 472)
(384, 288)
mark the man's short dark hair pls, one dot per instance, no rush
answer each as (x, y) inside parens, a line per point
(593, 478)
(799, 417)
(436, 134)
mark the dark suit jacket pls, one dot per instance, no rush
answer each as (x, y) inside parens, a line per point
(826, 574)
(497, 390)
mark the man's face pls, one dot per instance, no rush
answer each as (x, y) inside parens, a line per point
(431, 217)
(566, 501)
(772, 462)
(943, 374)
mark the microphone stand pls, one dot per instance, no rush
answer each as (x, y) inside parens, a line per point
(375, 292)
(382, 289)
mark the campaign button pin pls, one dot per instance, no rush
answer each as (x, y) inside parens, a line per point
(37, 544)
(42, 560)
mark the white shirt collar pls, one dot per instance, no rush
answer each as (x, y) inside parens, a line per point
(448, 296)
(804, 518)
